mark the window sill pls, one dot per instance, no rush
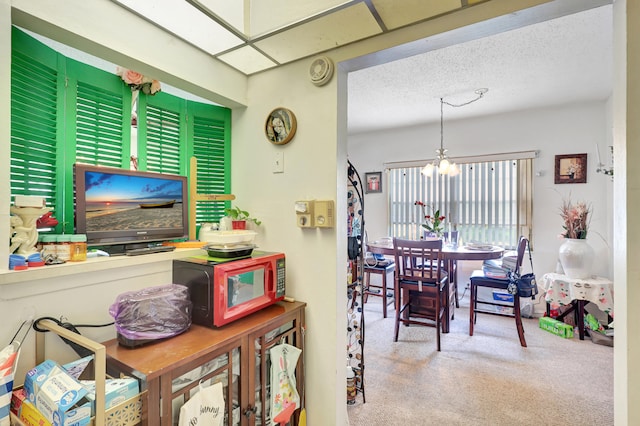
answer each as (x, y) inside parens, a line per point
(17, 284)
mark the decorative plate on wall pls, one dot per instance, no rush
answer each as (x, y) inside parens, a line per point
(280, 126)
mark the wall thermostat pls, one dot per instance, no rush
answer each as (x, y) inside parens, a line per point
(315, 214)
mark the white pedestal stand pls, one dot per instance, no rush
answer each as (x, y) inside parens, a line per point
(24, 231)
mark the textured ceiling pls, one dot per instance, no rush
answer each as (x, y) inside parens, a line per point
(561, 61)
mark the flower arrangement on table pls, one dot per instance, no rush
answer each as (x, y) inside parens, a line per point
(137, 81)
(433, 222)
(576, 219)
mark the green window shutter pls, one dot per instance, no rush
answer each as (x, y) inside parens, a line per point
(210, 133)
(102, 122)
(35, 78)
(172, 130)
(98, 124)
(162, 133)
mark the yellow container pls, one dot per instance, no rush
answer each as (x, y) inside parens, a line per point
(78, 247)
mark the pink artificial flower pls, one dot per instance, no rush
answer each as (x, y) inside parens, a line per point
(132, 77)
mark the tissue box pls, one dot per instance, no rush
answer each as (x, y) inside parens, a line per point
(37, 376)
(116, 391)
(556, 327)
(80, 369)
(62, 400)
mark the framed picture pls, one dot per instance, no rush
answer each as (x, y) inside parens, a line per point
(571, 168)
(374, 182)
(280, 126)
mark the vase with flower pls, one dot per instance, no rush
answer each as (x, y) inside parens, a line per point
(575, 254)
(433, 220)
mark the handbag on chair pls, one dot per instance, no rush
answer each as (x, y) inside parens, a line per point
(524, 285)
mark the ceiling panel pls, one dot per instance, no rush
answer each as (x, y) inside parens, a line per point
(412, 10)
(342, 27)
(270, 15)
(231, 12)
(248, 60)
(186, 22)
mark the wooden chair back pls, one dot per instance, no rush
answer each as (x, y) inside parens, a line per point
(418, 260)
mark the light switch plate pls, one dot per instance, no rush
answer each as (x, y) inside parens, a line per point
(278, 162)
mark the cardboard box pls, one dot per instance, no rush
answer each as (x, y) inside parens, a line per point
(116, 391)
(30, 416)
(37, 376)
(502, 297)
(80, 369)
(556, 327)
(18, 396)
(62, 400)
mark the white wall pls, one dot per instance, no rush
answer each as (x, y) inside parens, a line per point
(310, 164)
(571, 129)
(313, 166)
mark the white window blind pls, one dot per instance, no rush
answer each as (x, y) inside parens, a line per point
(488, 201)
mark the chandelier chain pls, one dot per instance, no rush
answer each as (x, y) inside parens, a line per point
(442, 162)
(480, 95)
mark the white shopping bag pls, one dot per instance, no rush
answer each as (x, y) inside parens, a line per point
(205, 408)
(284, 359)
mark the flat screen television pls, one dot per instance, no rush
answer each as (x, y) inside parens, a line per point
(129, 208)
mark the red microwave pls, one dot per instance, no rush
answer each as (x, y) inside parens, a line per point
(224, 290)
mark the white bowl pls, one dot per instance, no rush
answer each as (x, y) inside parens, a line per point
(236, 236)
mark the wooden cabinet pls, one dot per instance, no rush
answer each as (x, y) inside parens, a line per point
(236, 355)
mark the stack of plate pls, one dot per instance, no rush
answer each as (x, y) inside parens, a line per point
(477, 245)
(229, 250)
(236, 236)
(228, 244)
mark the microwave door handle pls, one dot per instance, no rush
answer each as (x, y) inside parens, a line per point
(271, 286)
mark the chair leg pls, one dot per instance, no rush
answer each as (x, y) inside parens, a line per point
(455, 282)
(365, 287)
(398, 305)
(516, 311)
(384, 294)
(472, 307)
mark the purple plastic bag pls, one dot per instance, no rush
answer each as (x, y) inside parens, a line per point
(151, 313)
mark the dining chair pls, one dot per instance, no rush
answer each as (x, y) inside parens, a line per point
(506, 304)
(421, 291)
(452, 269)
(383, 290)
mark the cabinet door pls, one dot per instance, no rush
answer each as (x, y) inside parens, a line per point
(260, 370)
(224, 368)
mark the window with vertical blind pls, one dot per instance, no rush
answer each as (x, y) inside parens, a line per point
(490, 200)
(64, 111)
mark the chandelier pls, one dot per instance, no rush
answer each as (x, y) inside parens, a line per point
(442, 163)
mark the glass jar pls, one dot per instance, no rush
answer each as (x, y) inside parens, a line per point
(48, 245)
(78, 247)
(63, 247)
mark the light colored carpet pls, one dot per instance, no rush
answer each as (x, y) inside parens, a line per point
(484, 379)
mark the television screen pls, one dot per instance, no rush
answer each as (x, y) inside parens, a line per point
(118, 206)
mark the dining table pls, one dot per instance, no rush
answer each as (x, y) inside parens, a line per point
(450, 255)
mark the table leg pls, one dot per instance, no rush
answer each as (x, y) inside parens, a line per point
(454, 273)
(580, 317)
(447, 312)
(153, 402)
